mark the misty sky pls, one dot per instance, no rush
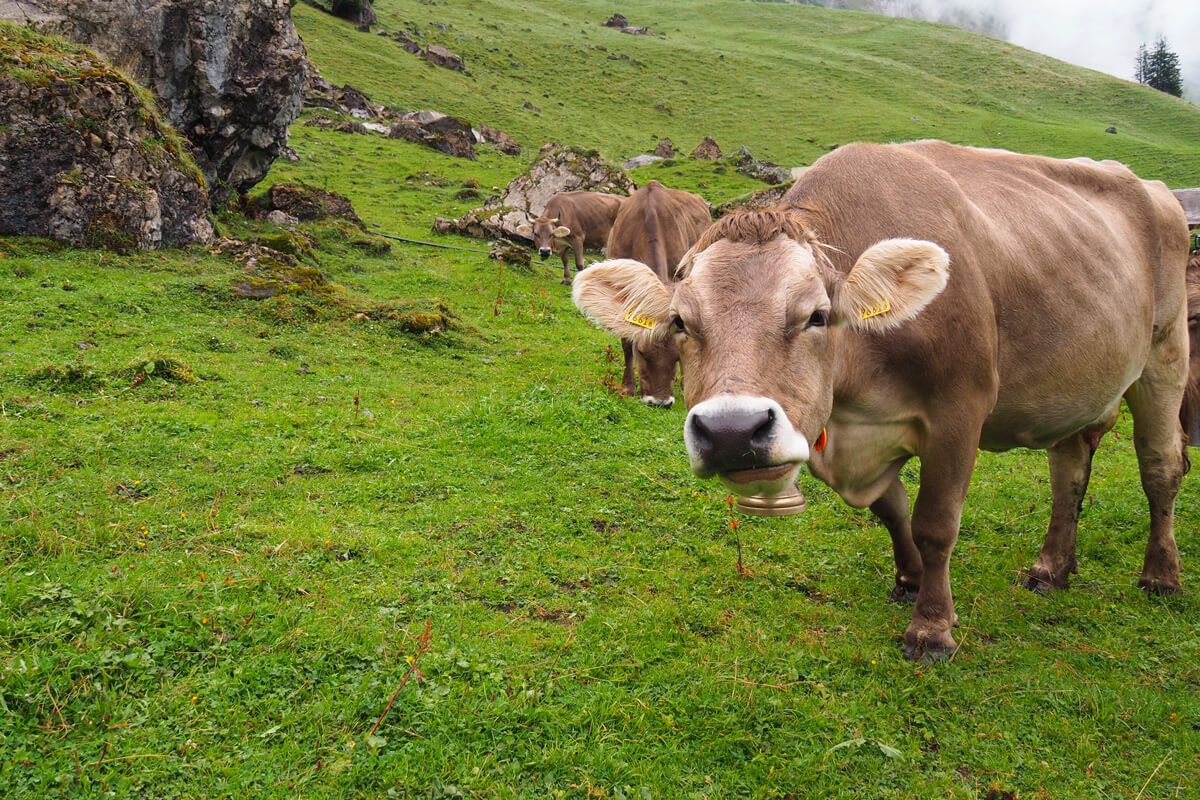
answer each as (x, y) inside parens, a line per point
(1101, 34)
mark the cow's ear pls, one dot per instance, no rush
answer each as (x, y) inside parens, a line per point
(890, 283)
(562, 231)
(624, 297)
(525, 229)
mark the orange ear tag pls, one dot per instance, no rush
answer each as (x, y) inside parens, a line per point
(820, 445)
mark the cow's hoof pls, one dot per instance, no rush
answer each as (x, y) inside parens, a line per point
(928, 648)
(903, 592)
(1043, 582)
(566, 281)
(1159, 586)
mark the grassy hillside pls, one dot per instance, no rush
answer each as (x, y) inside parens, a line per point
(226, 524)
(789, 81)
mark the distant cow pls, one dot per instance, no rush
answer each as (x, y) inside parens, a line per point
(571, 222)
(928, 300)
(656, 226)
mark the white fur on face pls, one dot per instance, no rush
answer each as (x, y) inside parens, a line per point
(786, 445)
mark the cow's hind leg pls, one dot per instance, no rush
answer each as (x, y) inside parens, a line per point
(1154, 401)
(892, 511)
(1070, 469)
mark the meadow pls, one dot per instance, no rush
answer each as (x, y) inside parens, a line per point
(294, 548)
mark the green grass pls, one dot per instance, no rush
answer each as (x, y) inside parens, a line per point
(211, 588)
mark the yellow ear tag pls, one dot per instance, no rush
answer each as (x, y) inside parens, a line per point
(875, 311)
(641, 321)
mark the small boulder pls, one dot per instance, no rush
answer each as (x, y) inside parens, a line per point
(665, 149)
(1111, 129)
(504, 143)
(306, 203)
(707, 149)
(641, 161)
(616, 21)
(441, 57)
(281, 218)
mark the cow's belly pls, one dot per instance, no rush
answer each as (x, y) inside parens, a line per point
(862, 458)
(1036, 413)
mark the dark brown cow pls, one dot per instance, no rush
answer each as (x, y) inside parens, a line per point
(924, 299)
(571, 222)
(656, 227)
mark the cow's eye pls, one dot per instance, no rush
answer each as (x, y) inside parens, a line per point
(819, 319)
(677, 325)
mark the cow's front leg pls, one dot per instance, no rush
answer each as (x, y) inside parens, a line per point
(577, 249)
(892, 511)
(937, 514)
(628, 382)
(565, 252)
(1070, 469)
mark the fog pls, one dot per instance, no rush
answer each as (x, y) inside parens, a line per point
(1101, 34)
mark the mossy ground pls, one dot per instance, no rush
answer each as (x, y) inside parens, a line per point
(214, 588)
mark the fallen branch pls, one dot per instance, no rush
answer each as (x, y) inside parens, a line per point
(414, 665)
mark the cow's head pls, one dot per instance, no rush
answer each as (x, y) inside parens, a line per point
(756, 316)
(544, 230)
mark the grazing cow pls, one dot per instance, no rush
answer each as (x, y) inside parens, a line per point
(656, 226)
(571, 222)
(928, 300)
(1191, 401)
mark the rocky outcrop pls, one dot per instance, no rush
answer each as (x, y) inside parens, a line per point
(764, 171)
(359, 12)
(620, 22)
(558, 169)
(228, 74)
(85, 158)
(439, 131)
(665, 149)
(434, 129)
(755, 201)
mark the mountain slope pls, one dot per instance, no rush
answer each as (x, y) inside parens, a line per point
(789, 81)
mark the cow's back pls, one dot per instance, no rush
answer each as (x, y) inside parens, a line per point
(656, 217)
(1061, 272)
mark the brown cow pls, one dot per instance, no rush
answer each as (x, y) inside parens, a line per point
(656, 226)
(924, 299)
(1191, 401)
(571, 222)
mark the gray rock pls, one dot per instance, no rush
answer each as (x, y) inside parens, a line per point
(282, 218)
(85, 161)
(228, 74)
(641, 161)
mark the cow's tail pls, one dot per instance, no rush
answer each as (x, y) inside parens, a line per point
(654, 240)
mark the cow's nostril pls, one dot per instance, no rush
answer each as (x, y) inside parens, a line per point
(762, 433)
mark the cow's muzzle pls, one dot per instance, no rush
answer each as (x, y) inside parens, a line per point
(748, 442)
(545, 252)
